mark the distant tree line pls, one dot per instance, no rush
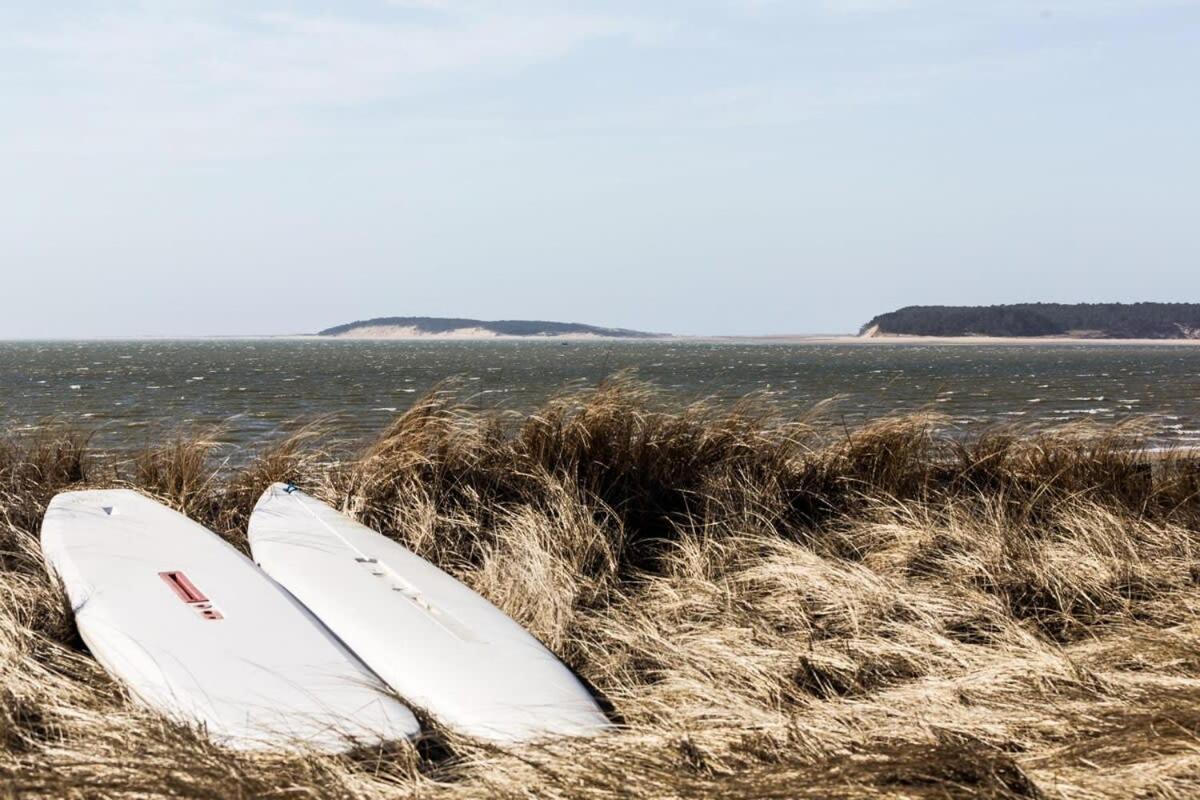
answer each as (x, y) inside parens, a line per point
(1101, 320)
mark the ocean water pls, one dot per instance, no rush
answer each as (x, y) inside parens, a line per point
(132, 392)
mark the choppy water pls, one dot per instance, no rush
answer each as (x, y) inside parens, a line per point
(130, 392)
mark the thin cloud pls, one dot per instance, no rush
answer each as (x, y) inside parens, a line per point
(125, 79)
(311, 57)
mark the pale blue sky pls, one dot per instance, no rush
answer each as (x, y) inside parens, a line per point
(715, 166)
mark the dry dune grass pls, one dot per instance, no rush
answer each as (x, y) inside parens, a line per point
(769, 608)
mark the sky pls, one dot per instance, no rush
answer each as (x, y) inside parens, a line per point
(184, 168)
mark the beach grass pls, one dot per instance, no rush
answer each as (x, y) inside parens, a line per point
(768, 607)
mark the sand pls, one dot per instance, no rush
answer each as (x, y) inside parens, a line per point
(410, 332)
(891, 339)
(458, 334)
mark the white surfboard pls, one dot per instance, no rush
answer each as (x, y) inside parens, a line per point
(196, 631)
(440, 645)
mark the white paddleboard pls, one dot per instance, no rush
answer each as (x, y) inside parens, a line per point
(440, 645)
(196, 631)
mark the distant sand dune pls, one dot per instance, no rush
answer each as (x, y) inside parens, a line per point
(413, 332)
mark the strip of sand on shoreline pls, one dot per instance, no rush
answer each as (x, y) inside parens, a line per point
(463, 335)
(891, 339)
(795, 339)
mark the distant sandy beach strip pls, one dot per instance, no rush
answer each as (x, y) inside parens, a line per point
(411, 333)
(890, 340)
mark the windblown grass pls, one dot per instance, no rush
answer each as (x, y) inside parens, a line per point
(768, 607)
